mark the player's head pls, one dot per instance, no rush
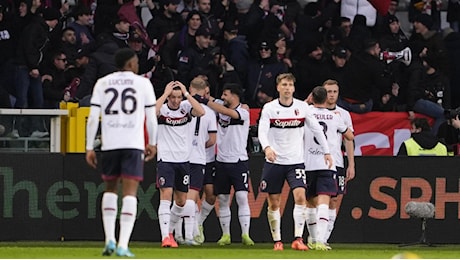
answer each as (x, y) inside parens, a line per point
(319, 95)
(231, 93)
(198, 86)
(126, 59)
(285, 85)
(332, 88)
(175, 98)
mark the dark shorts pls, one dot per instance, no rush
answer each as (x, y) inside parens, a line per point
(274, 175)
(210, 173)
(127, 163)
(321, 182)
(175, 175)
(196, 176)
(341, 183)
(231, 174)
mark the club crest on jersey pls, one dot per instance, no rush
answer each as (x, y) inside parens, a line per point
(161, 181)
(296, 112)
(263, 185)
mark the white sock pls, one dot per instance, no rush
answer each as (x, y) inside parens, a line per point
(330, 226)
(178, 229)
(312, 224)
(225, 215)
(164, 217)
(274, 220)
(109, 207)
(189, 218)
(244, 213)
(206, 209)
(299, 220)
(323, 219)
(127, 219)
(176, 213)
(196, 231)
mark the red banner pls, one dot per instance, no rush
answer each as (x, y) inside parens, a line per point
(376, 133)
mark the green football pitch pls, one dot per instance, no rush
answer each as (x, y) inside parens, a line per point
(86, 250)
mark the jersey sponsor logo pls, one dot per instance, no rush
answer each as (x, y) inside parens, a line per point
(287, 122)
(174, 121)
(225, 123)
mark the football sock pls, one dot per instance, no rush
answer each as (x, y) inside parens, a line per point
(109, 207)
(224, 213)
(244, 213)
(299, 216)
(127, 219)
(164, 217)
(274, 220)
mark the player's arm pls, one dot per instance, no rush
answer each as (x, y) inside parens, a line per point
(350, 149)
(197, 109)
(91, 129)
(212, 137)
(262, 133)
(160, 101)
(219, 108)
(151, 123)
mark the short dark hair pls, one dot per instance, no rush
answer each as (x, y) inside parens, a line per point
(234, 88)
(319, 95)
(421, 123)
(122, 56)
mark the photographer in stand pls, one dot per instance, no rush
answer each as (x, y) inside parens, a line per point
(449, 132)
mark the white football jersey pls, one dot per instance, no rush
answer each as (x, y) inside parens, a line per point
(232, 137)
(345, 115)
(201, 126)
(175, 133)
(120, 99)
(331, 124)
(283, 129)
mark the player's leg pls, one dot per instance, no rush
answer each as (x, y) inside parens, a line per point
(181, 207)
(109, 204)
(196, 183)
(272, 181)
(222, 187)
(207, 205)
(165, 183)
(297, 182)
(312, 219)
(335, 201)
(325, 187)
(240, 182)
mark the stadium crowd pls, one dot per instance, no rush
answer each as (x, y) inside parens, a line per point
(52, 51)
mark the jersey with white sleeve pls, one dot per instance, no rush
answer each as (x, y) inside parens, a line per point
(331, 124)
(175, 133)
(345, 115)
(121, 99)
(283, 129)
(232, 137)
(201, 126)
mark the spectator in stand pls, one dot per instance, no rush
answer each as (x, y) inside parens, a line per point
(452, 43)
(165, 22)
(359, 34)
(432, 41)
(422, 141)
(431, 95)
(53, 80)
(236, 50)
(181, 40)
(209, 20)
(105, 13)
(262, 73)
(345, 26)
(364, 80)
(335, 68)
(453, 14)
(382, 19)
(308, 69)
(146, 65)
(224, 11)
(68, 45)
(81, 25)
(195, 60)
(7, 50)
(28, 85)
(221, 72)
(185, 7)
(392, 37)
(101, 61)
(332, 39)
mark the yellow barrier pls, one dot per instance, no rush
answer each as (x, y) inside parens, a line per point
(74, 128)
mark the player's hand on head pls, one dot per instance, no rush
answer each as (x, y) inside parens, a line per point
(91, 158)
(150, 152)
(182, 86)
(169, 87)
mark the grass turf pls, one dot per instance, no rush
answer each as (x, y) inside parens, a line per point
(83, 249)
